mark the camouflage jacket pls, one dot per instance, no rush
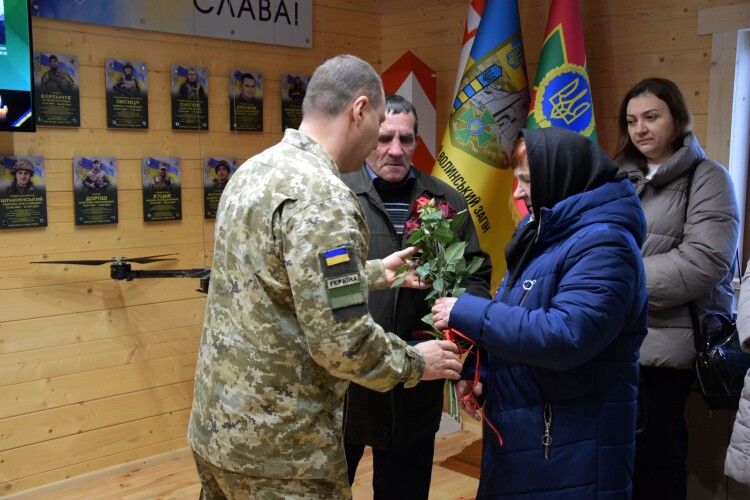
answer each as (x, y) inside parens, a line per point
(286, 324)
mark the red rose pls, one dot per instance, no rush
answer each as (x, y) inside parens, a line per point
(420, 202)
(446, 210)
(410, 226)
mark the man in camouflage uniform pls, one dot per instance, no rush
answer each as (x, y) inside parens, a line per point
(161, 182)
(286, 323)
(55, 79)
(96, 178)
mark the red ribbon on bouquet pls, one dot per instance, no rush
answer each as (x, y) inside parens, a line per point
(468, 399)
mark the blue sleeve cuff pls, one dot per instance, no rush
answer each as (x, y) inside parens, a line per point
(467, 316)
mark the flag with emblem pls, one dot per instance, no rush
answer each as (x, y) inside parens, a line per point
(561, 95)
(489, 109)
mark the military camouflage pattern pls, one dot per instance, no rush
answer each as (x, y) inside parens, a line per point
(274, 362)
(220, 484)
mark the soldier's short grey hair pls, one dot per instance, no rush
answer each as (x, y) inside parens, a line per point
(337, 82)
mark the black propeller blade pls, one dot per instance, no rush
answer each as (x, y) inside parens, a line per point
(97, 262)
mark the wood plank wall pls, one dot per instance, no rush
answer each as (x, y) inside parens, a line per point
(95, 372)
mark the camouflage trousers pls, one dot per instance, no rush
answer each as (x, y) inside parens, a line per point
(222, 484)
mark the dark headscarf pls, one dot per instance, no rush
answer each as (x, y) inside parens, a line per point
(561, 164)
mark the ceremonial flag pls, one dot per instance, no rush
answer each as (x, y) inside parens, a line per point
(489, 109)
(561, 96)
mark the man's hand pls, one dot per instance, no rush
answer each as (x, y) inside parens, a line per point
(440, 360)
(462, 387)
(398, 259)
(441, 311)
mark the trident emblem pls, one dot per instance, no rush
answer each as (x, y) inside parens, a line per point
(566, 106)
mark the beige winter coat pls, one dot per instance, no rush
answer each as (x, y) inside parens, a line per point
(686, 258)
(737, 463)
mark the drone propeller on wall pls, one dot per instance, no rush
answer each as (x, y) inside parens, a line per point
(120, 268)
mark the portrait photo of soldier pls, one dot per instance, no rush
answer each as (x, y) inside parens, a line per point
(56, 90)
(245, 100)
(56, 79)
(127, 84)
(217, 170)
(191, 88)
(161, 181)
(293, 89)
(189, 97)
(96, 179)
(23, 172)
(95, 190)
(162, 190)
(222, 175)
(23, 197)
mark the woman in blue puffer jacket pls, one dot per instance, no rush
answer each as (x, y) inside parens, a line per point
(559, 343)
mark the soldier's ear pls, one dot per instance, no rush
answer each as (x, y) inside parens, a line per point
(359, 107)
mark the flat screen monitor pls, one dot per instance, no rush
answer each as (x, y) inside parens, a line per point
(16, 67)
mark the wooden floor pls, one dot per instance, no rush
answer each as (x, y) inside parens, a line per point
(172, 475)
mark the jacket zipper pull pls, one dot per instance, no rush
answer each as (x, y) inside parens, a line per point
(547, 437)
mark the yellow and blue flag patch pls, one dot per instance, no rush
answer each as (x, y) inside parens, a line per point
(336, 256)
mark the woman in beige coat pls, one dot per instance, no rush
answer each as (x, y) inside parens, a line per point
(737, 463)
(692, 226)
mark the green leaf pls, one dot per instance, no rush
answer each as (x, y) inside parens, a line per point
(474, 265)
(431, 215)
(455, 251)
(434, 293)
(458, 221)
(444, 234)
(415, 237)
(457, 290)
(398, 281)
(427, 318)
(438, 284)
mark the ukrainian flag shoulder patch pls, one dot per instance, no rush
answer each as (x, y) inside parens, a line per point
(344, 286)
(336, 256)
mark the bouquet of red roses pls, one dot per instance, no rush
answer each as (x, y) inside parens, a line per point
(433, 227)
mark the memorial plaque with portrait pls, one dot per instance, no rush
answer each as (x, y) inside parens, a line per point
(189, 98)
(217, 170)
(245, 101)
(293, 88)
(57, 90)
(23, 192)
(126, 85)
(162, 193)
(95, 190)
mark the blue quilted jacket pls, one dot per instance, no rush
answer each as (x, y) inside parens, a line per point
(560, 354)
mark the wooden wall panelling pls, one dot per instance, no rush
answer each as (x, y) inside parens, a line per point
(95, 372)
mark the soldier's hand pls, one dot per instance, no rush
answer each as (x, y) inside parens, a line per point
(440, 360)
(395, 260)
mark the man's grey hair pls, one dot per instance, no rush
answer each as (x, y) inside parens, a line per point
(395, 105)
(337, 82)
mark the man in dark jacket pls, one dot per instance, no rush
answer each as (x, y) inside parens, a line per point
(400, 425)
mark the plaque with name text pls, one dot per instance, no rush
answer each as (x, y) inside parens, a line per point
(95, 190)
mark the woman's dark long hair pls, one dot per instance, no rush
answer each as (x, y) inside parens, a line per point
(667, 91)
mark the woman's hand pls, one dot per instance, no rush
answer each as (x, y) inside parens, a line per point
(441, 311)
(462, 388)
